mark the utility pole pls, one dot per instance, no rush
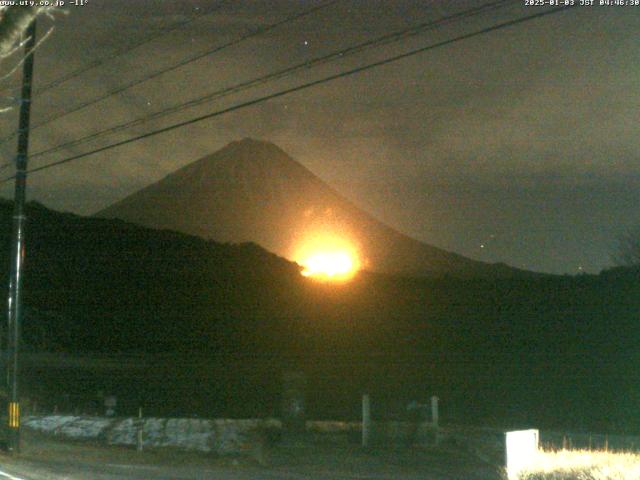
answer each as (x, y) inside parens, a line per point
(14, 303)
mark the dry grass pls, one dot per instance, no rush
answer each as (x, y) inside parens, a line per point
(584, 465)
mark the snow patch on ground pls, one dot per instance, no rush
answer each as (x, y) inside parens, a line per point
(89, 428)
(125, 432)
(48, 424)
(222, 436)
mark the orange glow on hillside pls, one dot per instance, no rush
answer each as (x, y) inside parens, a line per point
(328, 264)
(325, 257)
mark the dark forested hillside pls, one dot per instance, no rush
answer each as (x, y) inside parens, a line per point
(223, 321)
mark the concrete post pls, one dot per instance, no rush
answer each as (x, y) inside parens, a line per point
(434, 411)
(139, 442)
(293, 404)
(366, 420)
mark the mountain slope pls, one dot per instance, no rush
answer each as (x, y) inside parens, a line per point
(253, 191)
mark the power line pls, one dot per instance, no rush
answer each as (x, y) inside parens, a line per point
(180, 64)
(101, 61)
(336, 55)
(118, 53)
(300, 87)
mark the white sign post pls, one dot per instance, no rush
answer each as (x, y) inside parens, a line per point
(521, 451)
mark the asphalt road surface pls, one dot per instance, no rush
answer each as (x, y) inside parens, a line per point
(48, 459)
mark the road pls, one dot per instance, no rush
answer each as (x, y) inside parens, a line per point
(48, 459)
(30, 471)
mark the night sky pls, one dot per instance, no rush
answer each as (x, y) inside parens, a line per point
(518, 146)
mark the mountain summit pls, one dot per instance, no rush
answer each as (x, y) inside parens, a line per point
(252, 191)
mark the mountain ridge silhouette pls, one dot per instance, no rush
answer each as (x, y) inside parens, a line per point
(252, 191)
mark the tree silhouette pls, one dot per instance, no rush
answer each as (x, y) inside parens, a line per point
(628, 248)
